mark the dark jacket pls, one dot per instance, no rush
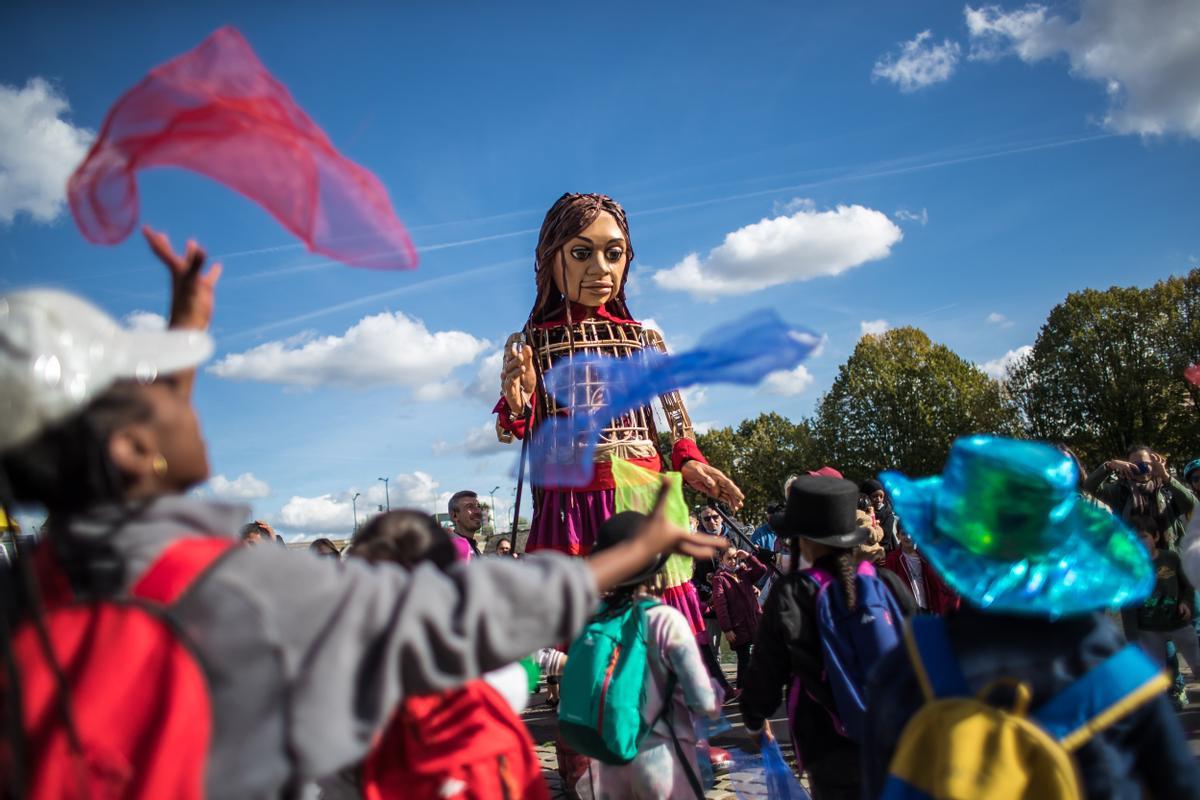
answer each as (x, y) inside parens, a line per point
(892, 528)
(1176, 499)
(1146, 747)
(939, 598)
(735, 603)
(788, 644)
(1160, 611)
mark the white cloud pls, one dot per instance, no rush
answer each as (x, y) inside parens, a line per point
(918, 63)
(873, 327)
(808, 244)
(486, 385)
(480, 440)
(324, 514)
(694, 396)
(793, 205)
(334, 512)
(904, 215)
(787, 382)
(145, 321)
(435, 392)
(1147, 55)
(243, 487)
(998, 367)
(996, 318)
(379, 349)
(819, 350)
(38, 150)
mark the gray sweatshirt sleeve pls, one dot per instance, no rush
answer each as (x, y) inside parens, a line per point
(353, 639)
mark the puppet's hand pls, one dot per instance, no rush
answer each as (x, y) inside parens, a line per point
(709, 480)
(191, 292)
(517, 376)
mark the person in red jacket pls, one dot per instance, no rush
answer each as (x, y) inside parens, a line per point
(932, 594)
(735, 602)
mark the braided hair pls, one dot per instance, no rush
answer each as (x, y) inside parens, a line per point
(847, 569)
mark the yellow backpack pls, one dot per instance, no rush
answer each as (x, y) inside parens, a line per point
(959, 746)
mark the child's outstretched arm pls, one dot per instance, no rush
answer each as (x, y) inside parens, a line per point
(654, 536)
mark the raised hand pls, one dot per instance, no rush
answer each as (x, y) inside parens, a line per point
(191, 291)
(655, 535)
(1122, 469)
(1158, 468)
(517, 376)
(710, 481)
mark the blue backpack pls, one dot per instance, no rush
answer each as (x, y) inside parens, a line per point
(853, 640)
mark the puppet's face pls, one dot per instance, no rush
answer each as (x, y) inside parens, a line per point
(592, 265)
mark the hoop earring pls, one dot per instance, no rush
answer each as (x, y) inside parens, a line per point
(159, 465)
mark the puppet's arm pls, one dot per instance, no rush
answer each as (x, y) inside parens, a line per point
(686, 457)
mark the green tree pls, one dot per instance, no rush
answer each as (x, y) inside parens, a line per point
(900, 400)
(1106, 371)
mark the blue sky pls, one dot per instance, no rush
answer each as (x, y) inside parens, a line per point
(832, 161)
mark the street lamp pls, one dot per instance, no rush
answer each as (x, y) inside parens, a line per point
(492, 510)
(354, 503)
(387, 497)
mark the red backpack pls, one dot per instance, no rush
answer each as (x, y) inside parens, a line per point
(138, 697)
(464, 744)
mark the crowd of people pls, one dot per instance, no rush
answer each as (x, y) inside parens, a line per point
(400, 667)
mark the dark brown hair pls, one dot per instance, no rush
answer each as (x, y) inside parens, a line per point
(565, 220)
(405, 537)
(67, 468)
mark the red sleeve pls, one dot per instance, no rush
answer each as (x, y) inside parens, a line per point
(755, 569)
(518, 426)
(683, 451)
(719, 606)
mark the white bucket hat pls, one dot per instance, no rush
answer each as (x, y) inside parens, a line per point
(59, 352)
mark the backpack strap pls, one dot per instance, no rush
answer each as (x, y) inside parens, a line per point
(1108, 692)
(665, 716)
(818, 576)
(933, 660)
(178, 567)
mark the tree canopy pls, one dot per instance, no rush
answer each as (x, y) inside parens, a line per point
(1106, 372)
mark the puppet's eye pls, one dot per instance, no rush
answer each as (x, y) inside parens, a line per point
(581, 253)
(614, 254)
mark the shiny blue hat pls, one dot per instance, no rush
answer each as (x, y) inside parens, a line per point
(1006, 528)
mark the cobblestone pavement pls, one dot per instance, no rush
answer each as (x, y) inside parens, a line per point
(540, 720)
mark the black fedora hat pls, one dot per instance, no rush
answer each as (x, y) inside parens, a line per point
(822, 509)
(617, 529)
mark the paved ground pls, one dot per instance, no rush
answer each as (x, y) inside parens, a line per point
(540, 719)
(541, 722)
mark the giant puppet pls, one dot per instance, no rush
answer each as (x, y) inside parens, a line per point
(582, 260)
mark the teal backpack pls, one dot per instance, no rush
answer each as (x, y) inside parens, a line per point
(604, 685)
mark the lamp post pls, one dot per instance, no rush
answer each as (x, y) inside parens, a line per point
(387, 497)
(492, 510)
(354, 503)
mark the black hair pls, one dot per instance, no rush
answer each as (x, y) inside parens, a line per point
(1135, 448)
(254, 527)
(68, 468)
(324, 542)
(847, 569)
(406, 537)
(1146, 524)
(452, 506)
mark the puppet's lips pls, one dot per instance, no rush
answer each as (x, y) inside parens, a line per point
(598, 287)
